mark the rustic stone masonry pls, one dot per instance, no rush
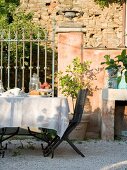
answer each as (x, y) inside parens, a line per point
(103, 27)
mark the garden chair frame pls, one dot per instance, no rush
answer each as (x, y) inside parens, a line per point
(77, 116)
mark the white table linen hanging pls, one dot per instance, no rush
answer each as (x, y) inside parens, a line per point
(35, 111)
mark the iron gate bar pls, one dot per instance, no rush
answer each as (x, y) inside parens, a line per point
(30, 56)
(1, 61)
(16, 60)
(23, 66)
(53, 56)
(45, 68)
(38, 54)
(30, 68)
(8, 67)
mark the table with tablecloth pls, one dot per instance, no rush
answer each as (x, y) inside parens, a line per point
(35, 111)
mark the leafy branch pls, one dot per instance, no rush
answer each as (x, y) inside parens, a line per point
(77, 76)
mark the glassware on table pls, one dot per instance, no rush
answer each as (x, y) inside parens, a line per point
(45, 92)
(34, 84)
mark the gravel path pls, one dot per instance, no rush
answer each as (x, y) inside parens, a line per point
(99, 155)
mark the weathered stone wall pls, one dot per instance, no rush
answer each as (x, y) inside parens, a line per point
(103, 27)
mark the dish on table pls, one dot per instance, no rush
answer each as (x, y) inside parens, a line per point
(45, 90)
(34, 93)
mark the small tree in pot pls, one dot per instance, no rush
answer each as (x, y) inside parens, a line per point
(77, 76)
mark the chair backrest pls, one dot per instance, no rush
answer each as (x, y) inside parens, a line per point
(79, 106)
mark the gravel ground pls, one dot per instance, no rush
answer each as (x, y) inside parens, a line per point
(99, 155)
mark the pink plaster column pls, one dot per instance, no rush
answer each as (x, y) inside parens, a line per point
(70, 45)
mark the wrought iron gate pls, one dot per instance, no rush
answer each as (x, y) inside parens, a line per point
(21, 56)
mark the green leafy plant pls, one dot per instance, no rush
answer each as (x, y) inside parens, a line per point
(119, 63)
(111, 63)
(76, 76)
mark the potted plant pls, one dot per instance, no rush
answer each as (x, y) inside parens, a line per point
(117, 67)
(76, 76)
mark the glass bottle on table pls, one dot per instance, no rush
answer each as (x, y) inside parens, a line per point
(34, 84)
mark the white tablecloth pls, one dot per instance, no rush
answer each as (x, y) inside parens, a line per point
(35, 111)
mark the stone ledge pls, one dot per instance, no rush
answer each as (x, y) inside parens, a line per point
(70, 27)
(114, 94)
(62, 30)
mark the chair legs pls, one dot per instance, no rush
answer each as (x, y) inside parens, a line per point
(75, 148)
(50, 148)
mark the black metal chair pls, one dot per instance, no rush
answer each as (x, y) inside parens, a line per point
(78, 111)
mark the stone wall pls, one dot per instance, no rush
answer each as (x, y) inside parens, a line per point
(103, 27)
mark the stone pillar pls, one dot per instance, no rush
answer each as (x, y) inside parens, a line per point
(70, 45)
